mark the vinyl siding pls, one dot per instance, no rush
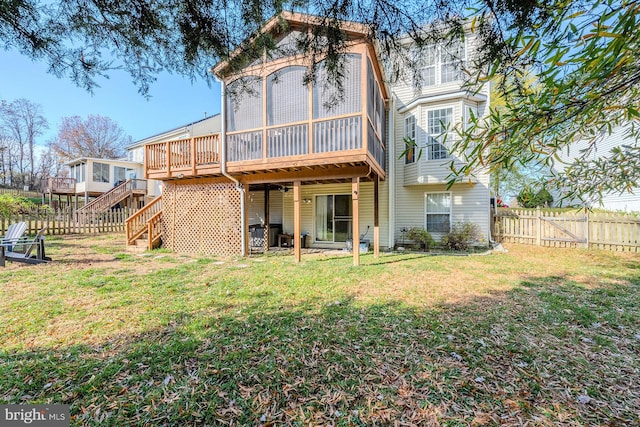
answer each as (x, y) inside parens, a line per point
(629, 202)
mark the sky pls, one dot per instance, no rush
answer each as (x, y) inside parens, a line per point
(174, 101)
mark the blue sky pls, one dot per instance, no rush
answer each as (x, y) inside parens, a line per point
(174, 99)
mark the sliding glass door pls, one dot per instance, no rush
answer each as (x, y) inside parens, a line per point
(333, 218)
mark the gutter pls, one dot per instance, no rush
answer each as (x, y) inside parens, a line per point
(391, 151)
(223, 162)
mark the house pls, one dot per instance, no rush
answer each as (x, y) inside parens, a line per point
(611, 201)
(292, 161)
(92, 177)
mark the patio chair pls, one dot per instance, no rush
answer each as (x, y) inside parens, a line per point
(21, 250)
(14, 233)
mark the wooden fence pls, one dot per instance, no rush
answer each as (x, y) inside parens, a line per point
(22, 193)
(68, 221)
(610, 231)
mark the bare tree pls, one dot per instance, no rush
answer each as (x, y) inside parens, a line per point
(22, 122)
(97, 136)
(50, 164)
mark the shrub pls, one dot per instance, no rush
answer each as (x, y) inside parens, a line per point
(544, 198)
(526, 198)
(419, 234)
(461, 236)
(11, 205)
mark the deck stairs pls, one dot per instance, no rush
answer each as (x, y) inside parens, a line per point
(144, 228)
(114, 196)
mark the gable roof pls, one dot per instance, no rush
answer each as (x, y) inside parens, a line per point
(275, 25)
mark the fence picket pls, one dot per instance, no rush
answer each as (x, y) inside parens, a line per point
(67, 221)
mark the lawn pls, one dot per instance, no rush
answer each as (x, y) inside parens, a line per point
(535, 336)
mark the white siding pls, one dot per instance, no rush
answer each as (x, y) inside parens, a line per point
(470, 202)
(256, 207)
(629, 202)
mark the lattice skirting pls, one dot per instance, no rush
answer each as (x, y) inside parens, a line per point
(201, 217)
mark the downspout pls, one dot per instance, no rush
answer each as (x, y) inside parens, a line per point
(391, 151)
(223, 162)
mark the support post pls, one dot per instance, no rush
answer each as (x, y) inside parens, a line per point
(355, 193)
(376, 218)
(539, 226)
(245, 237)
(297, 229)
(267, 223)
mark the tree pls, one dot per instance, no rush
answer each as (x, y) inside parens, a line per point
(583, 54)
(97, 136)
(22, 122)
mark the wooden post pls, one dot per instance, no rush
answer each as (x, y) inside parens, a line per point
(245, 238)
(168, 158)
(355, 192)
(193, 156)
(376, 218)
(587, 225)
(297, 229)
(539, 226)
(267, 222)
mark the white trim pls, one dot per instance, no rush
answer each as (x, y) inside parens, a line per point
(428, 134)
(450, 96)
(426, 193)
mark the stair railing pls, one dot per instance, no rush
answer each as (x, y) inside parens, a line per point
(138, 223)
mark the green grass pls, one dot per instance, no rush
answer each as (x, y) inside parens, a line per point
(164, 339)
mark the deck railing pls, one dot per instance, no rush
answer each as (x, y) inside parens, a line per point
(58, 184)
(194, 156)
(183, 153)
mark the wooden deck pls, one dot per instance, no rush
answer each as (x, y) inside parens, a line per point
(336, 152)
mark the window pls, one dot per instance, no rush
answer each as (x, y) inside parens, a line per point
(438, 64)
(121, 174)
(100, 172)
(452, 61)
(333, 218)
(410, 133)
(427, 58)
(438, 125)
(437, 212)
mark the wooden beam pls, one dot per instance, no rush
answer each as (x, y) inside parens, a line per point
(297, 229)
(308, 175)
(376, 218)
(245, 238)
(355, 193)
(266, 219)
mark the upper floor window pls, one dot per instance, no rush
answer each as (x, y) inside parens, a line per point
(438, 126)
(410, 134)
(439, 64)
(100, 172)
(452, 57)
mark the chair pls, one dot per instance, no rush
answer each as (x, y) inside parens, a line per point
(14, 233)
(8, 251)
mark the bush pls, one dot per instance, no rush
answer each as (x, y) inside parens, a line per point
(419, 234)
(461, 236)
(11, 205)
(527, 198)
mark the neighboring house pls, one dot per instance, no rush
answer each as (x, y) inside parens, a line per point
(293, 162)
(627, 202)
(91, 178)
